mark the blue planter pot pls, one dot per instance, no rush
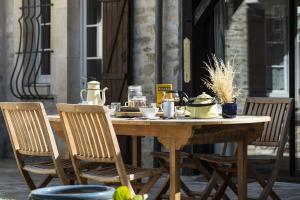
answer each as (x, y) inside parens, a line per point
(74, 192)
(229, 110)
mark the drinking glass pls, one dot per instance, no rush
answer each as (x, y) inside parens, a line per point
(179, 112)
(116, 105)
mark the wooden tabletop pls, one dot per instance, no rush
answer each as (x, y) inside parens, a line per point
(187, 121)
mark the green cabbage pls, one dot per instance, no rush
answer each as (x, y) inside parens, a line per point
(123, 193)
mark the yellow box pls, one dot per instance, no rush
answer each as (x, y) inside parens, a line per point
(160, 88)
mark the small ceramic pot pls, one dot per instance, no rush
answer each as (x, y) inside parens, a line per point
(229, 110)
(73, 192)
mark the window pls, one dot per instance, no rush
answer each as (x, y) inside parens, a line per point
(44, 44)
(277, 48)
(91, 40)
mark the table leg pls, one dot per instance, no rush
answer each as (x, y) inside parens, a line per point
(242, 169)
(136, 151)
(174, 171)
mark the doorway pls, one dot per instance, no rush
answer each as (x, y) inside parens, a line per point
(258, 36)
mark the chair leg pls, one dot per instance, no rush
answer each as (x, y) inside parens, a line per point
(152, 180)
(226, 178)
(222, 188)
(185, 188)
(46, 181)
(267, 186)
(212, 182)
(221, 191)
(28, 179)
(163, 189)
(210, 178)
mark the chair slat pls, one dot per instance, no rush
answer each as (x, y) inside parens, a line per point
(254, 111)
(88, 135)
(260, 109)
(76, 129)
(38, 116)
(102, 138)
(93, 132)
(276, 109)
(102, 151)
(84, 134)
(249, 108)
(12, 116)
(35, 131)
(106, 134)
(38, 128)
(25, 131)
(278, 129)
(276, 121)
(268, 135)
(265, 134)
(31, 131)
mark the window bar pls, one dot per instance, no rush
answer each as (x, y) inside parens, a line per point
(38, 51)
(13, 90)
(43, 51)
(37, 18)
(26, 69)
(25, 38)
(37, 6)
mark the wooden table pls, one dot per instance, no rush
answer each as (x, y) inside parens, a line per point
(175, 134)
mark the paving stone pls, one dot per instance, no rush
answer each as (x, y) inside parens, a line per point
(13, 187)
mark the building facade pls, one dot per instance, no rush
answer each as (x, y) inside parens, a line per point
(72, 30)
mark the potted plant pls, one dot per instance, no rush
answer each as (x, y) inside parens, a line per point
(123, 193)
(221, 77)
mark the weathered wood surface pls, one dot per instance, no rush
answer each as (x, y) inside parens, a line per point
(31, 135)
(175, 134)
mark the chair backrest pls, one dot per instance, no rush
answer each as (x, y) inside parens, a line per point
(89, 132)
(29, 130)
(279, 109)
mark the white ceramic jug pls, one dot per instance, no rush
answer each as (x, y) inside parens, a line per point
(94, 94)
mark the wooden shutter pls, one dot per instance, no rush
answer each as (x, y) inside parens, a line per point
(115, 49)
(256, 52)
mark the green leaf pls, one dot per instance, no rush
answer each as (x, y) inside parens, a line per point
(122, 193)
(138, 197)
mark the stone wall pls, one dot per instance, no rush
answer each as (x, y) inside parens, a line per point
(144, 52)
(6, 61)
(59, 43)
(236, 50)
(73, 82)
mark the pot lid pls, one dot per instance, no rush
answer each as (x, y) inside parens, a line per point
(204, 96)
(93, 83)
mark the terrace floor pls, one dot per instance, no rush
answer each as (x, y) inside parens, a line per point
(13, 187)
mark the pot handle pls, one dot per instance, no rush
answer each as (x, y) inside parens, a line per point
(81, 94)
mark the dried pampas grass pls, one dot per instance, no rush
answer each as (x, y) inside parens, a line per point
(221, 79)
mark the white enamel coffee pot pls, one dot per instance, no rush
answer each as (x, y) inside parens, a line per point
(94, 94)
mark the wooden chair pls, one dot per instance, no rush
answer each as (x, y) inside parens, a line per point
(192, 162)
(275, 134)
(91, 137)
(31, 135)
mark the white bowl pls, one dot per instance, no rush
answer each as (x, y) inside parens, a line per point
(148, 112)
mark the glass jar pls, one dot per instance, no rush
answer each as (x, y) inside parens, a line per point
(134, 90)
(137, 101)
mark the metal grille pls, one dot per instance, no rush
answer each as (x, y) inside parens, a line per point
(33, 56)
